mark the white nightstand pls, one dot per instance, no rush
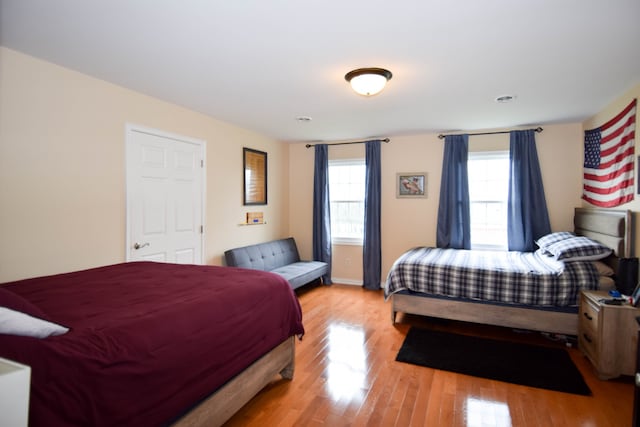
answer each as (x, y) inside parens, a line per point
(15, 382)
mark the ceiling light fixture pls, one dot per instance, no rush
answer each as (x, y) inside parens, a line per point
(368, 81)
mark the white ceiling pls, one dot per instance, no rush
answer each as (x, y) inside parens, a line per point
(260, 64)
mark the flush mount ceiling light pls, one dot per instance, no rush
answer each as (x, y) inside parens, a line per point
(368, 81)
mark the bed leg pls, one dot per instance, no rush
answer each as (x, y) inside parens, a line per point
(287, 372)
(393, 317)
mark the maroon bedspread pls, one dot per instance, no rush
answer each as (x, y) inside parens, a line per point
(147, 340)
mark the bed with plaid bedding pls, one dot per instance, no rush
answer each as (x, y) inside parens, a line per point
(529, 278)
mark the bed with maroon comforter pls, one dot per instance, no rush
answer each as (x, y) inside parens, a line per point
(146, 341)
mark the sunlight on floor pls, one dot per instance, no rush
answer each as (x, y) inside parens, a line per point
(484, 413)
(347, 368)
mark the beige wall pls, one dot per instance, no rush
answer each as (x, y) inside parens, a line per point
(62, 170)
(412, 222)
(62, 199)
(607, 113)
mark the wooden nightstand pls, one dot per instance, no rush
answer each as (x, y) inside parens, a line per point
(608, 335)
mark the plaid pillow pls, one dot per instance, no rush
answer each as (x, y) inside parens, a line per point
(578, 248)
(552, 238)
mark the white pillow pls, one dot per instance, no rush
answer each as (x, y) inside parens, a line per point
(16, 323)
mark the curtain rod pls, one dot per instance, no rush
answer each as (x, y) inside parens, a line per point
(347, 143)
(538, 129)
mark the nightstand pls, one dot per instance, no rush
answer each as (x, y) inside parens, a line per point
(608, 334)
(15, 380)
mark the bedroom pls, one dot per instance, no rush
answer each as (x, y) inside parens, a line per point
(63, 174)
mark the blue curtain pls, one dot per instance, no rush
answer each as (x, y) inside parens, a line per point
(371, 251)
(322, 209)
(454, 217)
(528, 218)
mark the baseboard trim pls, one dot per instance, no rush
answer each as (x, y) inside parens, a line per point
(350, 282)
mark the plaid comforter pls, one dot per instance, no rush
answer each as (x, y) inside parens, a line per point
(530, 278)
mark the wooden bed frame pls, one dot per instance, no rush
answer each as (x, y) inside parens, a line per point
(613, 228)
(226, 401)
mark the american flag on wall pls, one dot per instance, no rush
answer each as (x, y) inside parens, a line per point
(609, 159)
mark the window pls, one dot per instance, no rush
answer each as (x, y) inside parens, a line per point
(346, 193)
(488, 195)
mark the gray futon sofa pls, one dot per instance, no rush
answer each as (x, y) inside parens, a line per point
(280, 257)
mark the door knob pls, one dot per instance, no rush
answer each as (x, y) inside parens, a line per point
(140, 246)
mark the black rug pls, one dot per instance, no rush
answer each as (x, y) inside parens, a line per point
(524, 364)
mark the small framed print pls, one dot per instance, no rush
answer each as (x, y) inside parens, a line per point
(411, 185)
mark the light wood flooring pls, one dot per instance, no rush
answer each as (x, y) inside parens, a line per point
(346, 375)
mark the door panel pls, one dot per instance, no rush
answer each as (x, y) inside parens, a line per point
(165, 197)
(186, 209)
(156, 257)
(185, 256)
(154, 207)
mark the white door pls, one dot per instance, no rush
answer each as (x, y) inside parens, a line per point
(165, 197)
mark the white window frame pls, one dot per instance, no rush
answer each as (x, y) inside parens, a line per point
(341, 240)
(488, 155)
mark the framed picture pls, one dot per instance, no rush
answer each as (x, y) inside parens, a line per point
(254, 165)
(411, 185)
(635, 297)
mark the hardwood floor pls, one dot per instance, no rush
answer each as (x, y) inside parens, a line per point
(346, 375)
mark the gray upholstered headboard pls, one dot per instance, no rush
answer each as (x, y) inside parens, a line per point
(613, 228)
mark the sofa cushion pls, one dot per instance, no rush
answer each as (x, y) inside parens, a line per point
(303, 272)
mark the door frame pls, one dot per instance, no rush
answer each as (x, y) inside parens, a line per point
(129, 129)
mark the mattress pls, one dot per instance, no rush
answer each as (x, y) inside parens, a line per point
(524, 278)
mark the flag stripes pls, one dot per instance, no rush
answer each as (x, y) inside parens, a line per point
(609, 153)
